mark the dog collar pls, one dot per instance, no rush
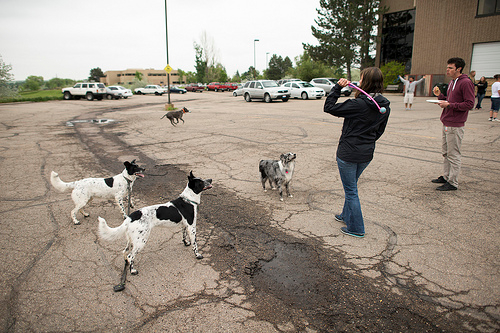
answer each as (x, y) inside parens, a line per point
(190, 201)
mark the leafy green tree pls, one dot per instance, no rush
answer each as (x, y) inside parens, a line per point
(278, 67)
(138, 75)
(251, 74)
(200, 64)
(59, 83)
(5, 77)
(33, 83)
(236, 77)
(96, 74)
(345, 33)
(391, 70)
(307, 69)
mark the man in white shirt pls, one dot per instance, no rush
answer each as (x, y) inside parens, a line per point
(495, 99)
(410, 86)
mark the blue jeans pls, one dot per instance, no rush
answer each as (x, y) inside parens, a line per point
(351, 213)
(479, 100)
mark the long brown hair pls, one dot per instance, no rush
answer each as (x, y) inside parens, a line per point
(372, 81)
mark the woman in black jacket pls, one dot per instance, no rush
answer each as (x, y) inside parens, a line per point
(363, 125)
(481, 91)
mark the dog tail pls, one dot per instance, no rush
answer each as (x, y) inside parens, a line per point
(59, 184)
(111, 234)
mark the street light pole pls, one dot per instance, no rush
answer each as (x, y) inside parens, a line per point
(168, 63)
(254, 62)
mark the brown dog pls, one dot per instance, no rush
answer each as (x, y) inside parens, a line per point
(175, 115)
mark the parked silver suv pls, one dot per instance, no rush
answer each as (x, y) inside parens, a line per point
(265, 89)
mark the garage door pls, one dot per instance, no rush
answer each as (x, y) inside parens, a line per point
(485, 59)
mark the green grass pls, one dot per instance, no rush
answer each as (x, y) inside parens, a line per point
(34, 96)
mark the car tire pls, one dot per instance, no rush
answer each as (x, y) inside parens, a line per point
(247, 97)
(109, 96)
(267, 98)
(138, 92)
(235, 95)
(304, 95)
(67, 95)
(285, 99)
(89, 96)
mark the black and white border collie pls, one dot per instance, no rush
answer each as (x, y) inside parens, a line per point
(278, 173)
(84, 190)
(137, 227)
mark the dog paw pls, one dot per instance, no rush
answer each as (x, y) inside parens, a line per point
(199, 256)
(281, 199)
(76, 222)
(290, 196)
(187, 243)
(265, 190)
(134, 271)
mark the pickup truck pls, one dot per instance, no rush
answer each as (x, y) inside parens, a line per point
(150, 89)
(194, 87)
(88, 90)
(216, 86)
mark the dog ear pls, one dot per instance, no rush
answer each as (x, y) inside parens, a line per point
(127, 164)
(190, 177)
(133, 161)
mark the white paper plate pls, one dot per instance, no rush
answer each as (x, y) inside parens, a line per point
(436, 101)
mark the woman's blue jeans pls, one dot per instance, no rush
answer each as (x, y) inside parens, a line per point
(479, 100)
(351, 213)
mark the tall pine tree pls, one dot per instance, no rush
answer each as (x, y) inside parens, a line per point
(345, 33)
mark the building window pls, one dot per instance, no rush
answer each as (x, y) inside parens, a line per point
(488, 7)
(397, 37)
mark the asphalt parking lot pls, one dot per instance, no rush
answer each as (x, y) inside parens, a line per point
(429, 261)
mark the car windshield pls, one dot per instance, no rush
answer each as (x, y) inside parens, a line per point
(306, 84)
(269, 84)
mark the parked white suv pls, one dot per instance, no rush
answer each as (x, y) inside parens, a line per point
(89, 90)
(265, 89)
(328, 83)
(150, 89)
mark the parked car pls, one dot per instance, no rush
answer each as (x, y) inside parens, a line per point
(176, 90)
(304, 90)
(117, 92)
(283, 81)
(238, 91)
(265, 89)
(231, 86)
(150, 89)
(88, 90)
(194, 87)
(216, 86)
(328, 83)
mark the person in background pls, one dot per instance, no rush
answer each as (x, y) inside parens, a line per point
(456, 105)
(410, 86)
(481, 85)
(363, 125)
(495, 98)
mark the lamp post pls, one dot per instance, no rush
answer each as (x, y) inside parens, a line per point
(168, 63)
(254, 63)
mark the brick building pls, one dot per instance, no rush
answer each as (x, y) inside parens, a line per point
(153, 76)
(424, 34)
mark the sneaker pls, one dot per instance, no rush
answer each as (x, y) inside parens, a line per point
(338, 218)
(490, 119)
(446, 187)
(439, 180)
(350, 233)
(495, 119)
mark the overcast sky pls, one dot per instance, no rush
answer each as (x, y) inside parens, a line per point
(67, 38)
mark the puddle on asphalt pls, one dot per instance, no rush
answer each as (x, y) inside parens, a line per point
(72, 123)
(294, 275)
